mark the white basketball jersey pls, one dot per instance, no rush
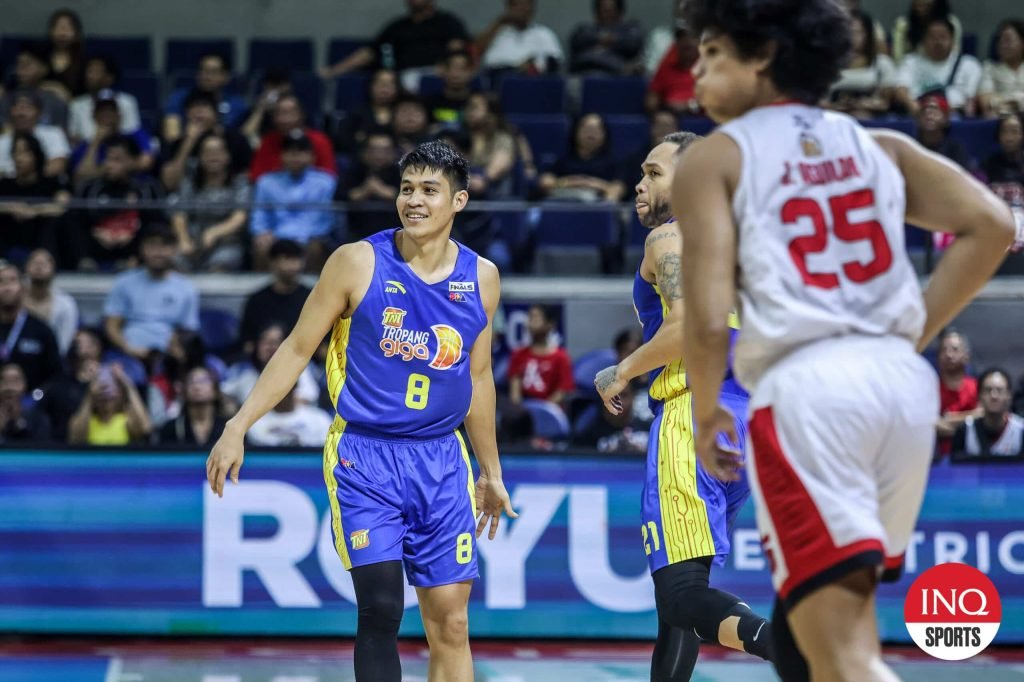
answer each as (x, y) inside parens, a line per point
(819, 211)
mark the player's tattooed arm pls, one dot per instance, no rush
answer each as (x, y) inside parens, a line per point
(668, 275)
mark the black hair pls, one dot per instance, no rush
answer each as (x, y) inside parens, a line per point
(158, 230)
(953, 331)
(296, 140)
(941, 19)
(624, 337)
(682, 139)
(275, 75)
(200, 174)
(1008, 116)
(867, 24)
(373, 77)
(225, 63)
(408, 98)
(24, 93)
(34, 147)
(198, 97)
(620, 5)
(461, 52)
(1015, 24)
(550, 313)
(811, 38)
(291, 95)
(36, 50)
(72, 356)
(441, 157)
(992, 371)
(605, 148)
(917, 25)
(286, 248)
(109, 65)
(69, 14)
(125, 142)
(456, 137)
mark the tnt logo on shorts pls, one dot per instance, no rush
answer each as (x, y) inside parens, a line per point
(360, 539)
(952, 611)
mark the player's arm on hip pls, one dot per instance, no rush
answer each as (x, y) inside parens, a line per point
(705, 177)
(480, 420)
(342, 283)
(942, 197)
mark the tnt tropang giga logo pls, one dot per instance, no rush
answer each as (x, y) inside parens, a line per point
(952, 611)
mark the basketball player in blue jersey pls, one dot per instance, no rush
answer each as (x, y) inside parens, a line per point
(687, 514)
(409, 362)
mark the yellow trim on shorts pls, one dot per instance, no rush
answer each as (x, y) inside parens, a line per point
(470, 488)
(330, 462)
(684, 514)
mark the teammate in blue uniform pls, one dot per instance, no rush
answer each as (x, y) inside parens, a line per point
(687, 514)
(410, 361)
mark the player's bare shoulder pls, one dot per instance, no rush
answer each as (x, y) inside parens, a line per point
(894, 143)
(349, 272)
(664, 241)
(490, 284)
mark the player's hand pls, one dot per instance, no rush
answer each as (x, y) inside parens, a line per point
(609, 385)
(226, 456)
(491, 500)
(721, 461)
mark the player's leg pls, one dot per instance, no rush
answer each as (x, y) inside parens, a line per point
(675, 654)
(380, 599)
(445, 614)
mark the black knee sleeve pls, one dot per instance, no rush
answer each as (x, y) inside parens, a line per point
(380, 599)
(789, 663)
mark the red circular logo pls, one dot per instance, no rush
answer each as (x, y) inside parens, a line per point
(952, 611)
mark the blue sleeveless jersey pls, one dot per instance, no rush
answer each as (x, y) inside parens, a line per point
(399, 367)
(670, 381)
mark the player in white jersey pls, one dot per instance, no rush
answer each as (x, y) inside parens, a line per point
(801, 212)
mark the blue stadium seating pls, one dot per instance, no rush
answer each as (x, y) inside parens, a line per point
(310, 90)
(218, 329)
(548, 136)
(548, 420)
(351, 91)
(145, 87)
(916, 239)
(431, 84)
(339, 48)
(969, 44)
(293, 55)
(9, 46)
(583, 229)
(628, 133)
(182, 54)
(132, 53)
(977, 136)
(588, 365)
(697, 124)
(613, 96)
(903, 125)
(637, 233)
(533, 95)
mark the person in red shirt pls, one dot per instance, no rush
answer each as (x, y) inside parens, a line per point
(288, 116)
(957, 390)
(673, 84)
(542, 370)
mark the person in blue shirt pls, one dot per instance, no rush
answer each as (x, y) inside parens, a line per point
(213, 77)
(282, 208)
(87, 157)
(410, 314)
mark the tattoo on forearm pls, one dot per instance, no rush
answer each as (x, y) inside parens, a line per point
(668, 275)
(605, 378)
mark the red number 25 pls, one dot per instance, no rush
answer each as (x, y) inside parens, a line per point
(844, 230)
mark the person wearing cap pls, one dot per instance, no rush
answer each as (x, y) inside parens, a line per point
(280, 211)
(101, 73)
(30, 71)
(289, 117)
(87, 157)
(939, 65)
(933, 129)
(26, 112)
(148, 305)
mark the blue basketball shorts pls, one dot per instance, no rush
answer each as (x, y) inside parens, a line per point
(403, 500)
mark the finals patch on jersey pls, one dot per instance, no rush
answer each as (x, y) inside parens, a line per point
(462, 286)
(810, 145)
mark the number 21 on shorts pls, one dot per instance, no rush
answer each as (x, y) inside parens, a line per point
(416, 391)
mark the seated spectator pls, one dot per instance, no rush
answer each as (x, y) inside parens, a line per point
(492, 148)
(111, 234)
(288, 119)
(542, 370)
(31, 201)
(409, 123)
(673, 84)
(210, 228)
(1002, 86)
(242, 376)
(445, 108)
(626, 432)
(66, 50)
(374, 178)
(279, 212)
(411, 44)
(867, 83)
(1004, 170)
(25, 114)
(201, 421)
(274, 83)
(47, 302)
(375, 116)
(63, 394)
(181, 157)
(663, 122)
(290, 424)
(625, 344)
(278, 303)
(148, 305)
(30, 75)
(87, 158)
(213, 78)
(878, 29)
(610, 45)
(588, 173)
(933, 130)
(168, 373)
(112, 412)
(27, 341)
(958, 391)
(940, 66)
(514, 42)
(996, 432)
(909, 31)
(101, 75)
(20, 419)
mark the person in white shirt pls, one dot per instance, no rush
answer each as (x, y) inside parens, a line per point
(939, 65)
(55, 307)
(1002, 86)
(515, 42)
(101, 74)
(865, 86)
(26, 110)
(290, 423)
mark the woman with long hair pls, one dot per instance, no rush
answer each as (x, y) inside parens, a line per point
(492, 148)
(1002, 87)
(909, 30)
(201, 420)
(1004, 170)
(866, 86)
(67, 50)
(588, 172)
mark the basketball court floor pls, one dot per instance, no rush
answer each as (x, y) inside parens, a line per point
(55, 660)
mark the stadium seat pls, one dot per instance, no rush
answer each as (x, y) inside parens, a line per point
(588, 365)
(533, 95)
(134, 53)
(969, 44)
(182, 54)
(613, 96)
(978, 136)
(548, 136)
(310, 90)
(339, 48)
(145, 87)
(916, 238)
(571, 242)
(586, 419)
(218, 329)
(628, 134)
(9, 46)
(548, 420)
(293, 55)
(351, 91)
(697, 124)
(431, 85)
(903, 125)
